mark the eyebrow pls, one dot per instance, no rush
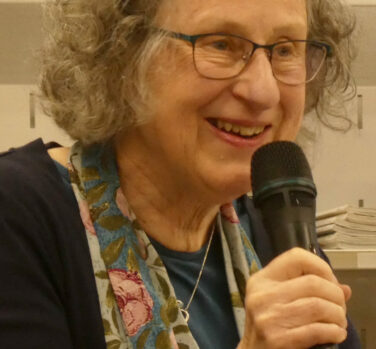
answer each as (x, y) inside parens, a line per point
(291, 29)
(212, 25)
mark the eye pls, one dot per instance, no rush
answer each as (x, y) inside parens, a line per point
(221, 44)
(284, 50)
(224, 45)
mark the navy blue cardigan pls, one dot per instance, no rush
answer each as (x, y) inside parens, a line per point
(48, 296)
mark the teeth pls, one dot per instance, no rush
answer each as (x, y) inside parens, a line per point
(242, 130)
(228, 127)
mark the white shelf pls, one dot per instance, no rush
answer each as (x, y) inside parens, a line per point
(352, 259)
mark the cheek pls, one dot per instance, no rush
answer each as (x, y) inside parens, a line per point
(293, 100)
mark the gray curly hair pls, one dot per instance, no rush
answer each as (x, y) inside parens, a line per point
(96, 56)
(333, 22)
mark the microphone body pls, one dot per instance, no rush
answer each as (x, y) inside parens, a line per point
(288, 212)
(284, 192)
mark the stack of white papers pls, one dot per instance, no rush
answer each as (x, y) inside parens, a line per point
(347, 227)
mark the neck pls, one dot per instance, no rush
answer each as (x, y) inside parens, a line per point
(176, 216)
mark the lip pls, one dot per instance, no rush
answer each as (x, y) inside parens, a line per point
(238, 141)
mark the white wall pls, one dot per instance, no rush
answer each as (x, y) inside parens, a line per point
(344, 165)
(18, 113)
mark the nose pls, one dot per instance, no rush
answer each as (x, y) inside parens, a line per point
(256, 85)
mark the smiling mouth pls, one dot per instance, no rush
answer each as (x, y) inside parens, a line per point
(237, 130)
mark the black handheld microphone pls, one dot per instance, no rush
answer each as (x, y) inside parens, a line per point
(284, 192)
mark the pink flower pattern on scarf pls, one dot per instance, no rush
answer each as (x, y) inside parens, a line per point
(122, 203)
(134, 301)
(228, 212)
(85, 217)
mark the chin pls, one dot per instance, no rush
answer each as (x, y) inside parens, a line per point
(226, 191)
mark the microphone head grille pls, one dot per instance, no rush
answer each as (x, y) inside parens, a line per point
(278, 160)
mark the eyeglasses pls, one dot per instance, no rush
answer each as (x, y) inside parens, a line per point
(224, 56)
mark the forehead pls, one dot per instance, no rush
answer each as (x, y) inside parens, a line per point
(259, 17)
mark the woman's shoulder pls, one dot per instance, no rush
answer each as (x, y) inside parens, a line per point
(45, 258)
(35, 206)
(26, 167)
(29, 180)
(16, 161)
(33, 201)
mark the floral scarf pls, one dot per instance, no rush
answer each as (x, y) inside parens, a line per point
(138, 303)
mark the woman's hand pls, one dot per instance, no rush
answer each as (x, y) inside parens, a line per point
(295, 302)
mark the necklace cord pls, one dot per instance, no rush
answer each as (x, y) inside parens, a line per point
(180, 303)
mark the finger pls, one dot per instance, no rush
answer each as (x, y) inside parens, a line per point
(302, 337)
(305, 311)
(297, 262)
(311, 335)
(347, 291)
(311, 286)
(306, 286)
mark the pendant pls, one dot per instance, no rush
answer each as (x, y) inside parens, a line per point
(184, 312)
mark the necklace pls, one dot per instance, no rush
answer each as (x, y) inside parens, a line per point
(179, 302)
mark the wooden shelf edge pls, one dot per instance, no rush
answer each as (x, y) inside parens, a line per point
(352, 259)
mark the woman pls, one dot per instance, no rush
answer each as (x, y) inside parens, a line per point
(138, 247)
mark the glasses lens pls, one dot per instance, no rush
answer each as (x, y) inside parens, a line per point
(316, 54)
(297, 62)
(220, 56)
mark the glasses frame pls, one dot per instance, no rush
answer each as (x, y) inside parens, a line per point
(193, 39)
